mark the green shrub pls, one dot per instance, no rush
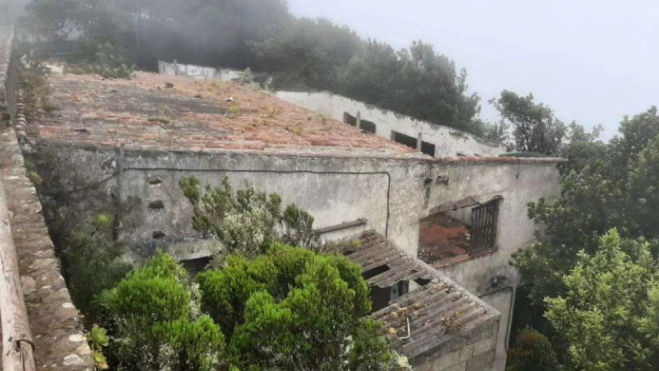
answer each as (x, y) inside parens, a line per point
(246, 221)
(152, 325)
(90, 263)
(533, 352)
(294, 309)
(103, 58)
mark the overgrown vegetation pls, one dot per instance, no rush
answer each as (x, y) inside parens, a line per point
(299, 53)
(601, 289)
(289, 308)
(155, 323)
(535, 129)
(33, 76)
(244, 220)
(610, 313)
(532, 352)
(105, 59)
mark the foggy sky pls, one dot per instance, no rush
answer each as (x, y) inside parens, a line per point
(591, 61)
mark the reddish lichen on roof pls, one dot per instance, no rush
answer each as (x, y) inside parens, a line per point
(155, 111)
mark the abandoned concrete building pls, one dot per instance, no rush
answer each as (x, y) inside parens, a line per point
(426, 137)
(436, 231)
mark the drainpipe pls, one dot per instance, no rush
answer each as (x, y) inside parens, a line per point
(359, 120)
(419, 141)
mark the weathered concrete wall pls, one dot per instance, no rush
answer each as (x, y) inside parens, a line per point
(199, 72)
(59, 343)
(472, 351)
(517, 184)
(389, 193)
(447, 141)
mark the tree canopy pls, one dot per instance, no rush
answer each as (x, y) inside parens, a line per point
(289, 308)
(298, 53)
(609, 315)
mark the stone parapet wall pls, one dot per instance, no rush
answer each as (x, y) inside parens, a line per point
(59, 342)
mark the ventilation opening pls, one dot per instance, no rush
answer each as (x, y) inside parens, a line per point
(349, 119)
(375, 271)
(403, 139)
(155, 181)
(422, 282)
(156, 205)
(379, 298)
(158, 235)
(428, 148)
(195, 266)
(367, 126)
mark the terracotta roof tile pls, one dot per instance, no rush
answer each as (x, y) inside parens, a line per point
(195, 114)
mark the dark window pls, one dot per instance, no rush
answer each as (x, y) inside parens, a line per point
(195, 266)
(428, 148)
(349, 119)
(484, 226)
(379, 297)
(403, 139)
(367, 126)
(375, 271)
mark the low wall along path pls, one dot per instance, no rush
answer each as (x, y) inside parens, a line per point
(59, 342)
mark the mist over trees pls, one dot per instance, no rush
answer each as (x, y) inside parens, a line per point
(299, 53)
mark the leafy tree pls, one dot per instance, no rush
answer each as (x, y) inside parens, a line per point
(609, 315)
(294, 309)
(535, 129)
(155, 323)
(532, 352)
(613, 190)
(307, 53)
(199, 31)
(416, 81)
(246, 221)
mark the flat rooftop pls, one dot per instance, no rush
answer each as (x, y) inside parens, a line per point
(161, 112)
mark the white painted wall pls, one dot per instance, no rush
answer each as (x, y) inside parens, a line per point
(198, 72)
(447, 141)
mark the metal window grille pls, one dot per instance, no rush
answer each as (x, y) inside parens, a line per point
(484, 226)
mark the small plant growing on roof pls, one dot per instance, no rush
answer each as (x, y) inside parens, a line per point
(450, 323)
(234, 111)
(161, 120)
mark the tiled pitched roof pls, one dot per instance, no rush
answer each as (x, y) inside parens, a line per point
(155, 111)
(165, 113)
(439, 304)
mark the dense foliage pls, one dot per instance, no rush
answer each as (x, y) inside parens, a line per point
(415, 82)
(601, 288)
(244, 220)
(613, 190)
(90, 261)
(532, 352)
(535, 129)
(155, 323)
(609, 315)
(287, 309)
(294, 309)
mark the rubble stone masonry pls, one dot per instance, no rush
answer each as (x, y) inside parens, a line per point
(59, 342)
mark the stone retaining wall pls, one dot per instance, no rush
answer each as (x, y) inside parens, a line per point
(59, 342)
